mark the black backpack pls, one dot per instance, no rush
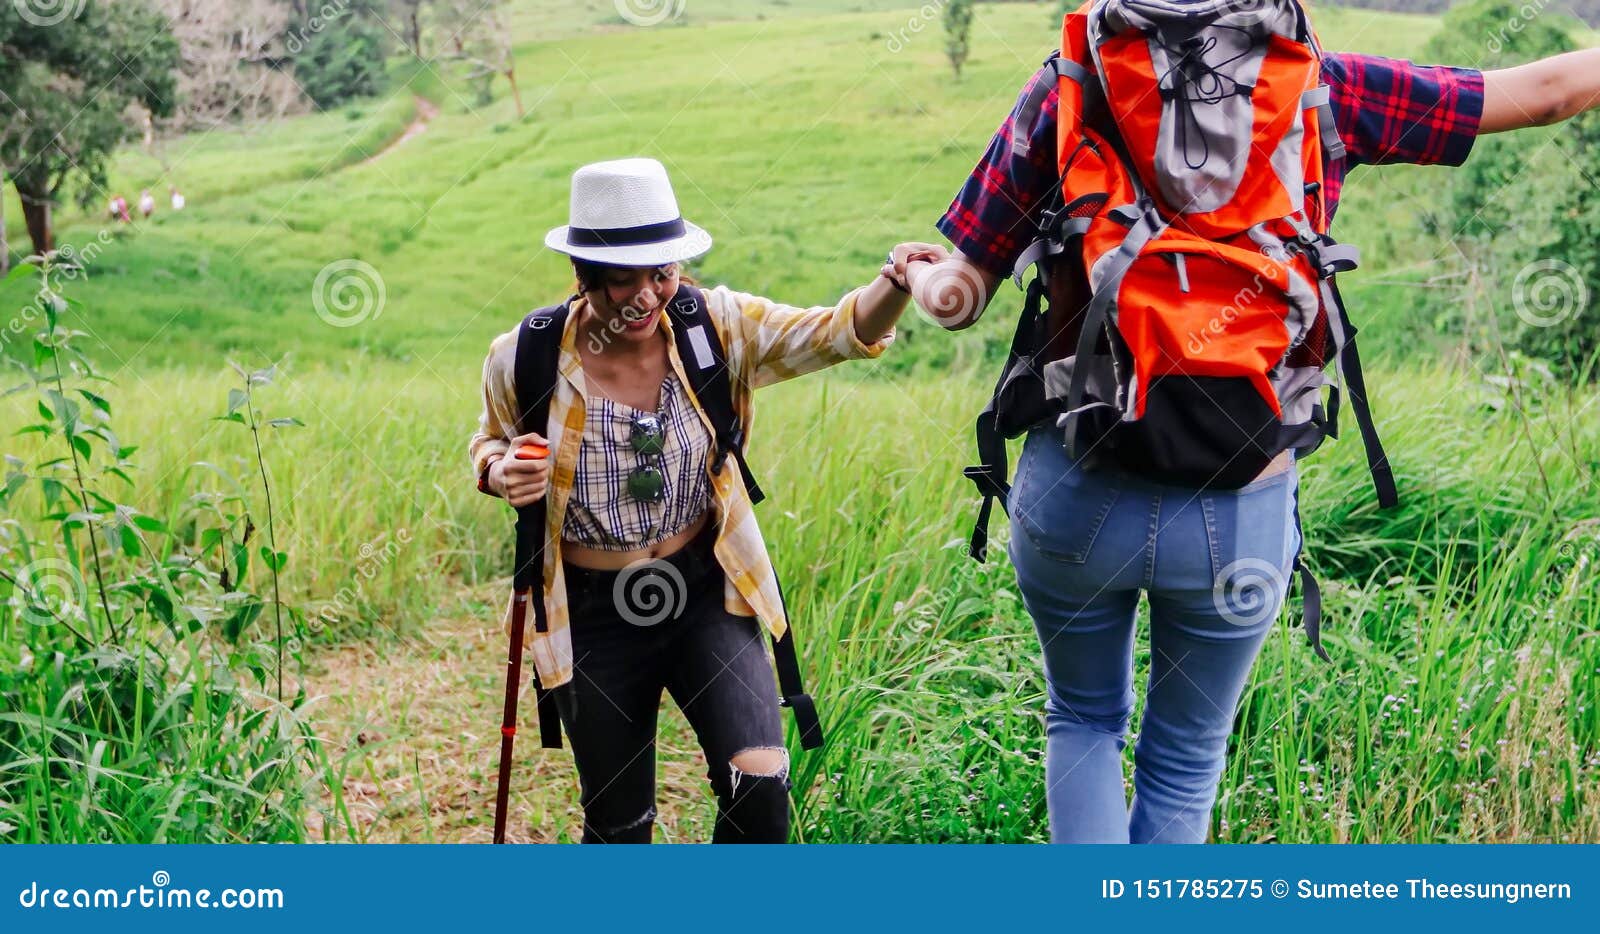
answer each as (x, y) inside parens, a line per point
(706, 363)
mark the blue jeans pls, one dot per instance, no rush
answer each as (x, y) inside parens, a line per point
(1215, 566)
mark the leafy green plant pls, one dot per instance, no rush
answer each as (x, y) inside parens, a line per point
(133, 702)
(243, 409)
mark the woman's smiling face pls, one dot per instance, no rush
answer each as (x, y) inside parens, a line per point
(628, 300)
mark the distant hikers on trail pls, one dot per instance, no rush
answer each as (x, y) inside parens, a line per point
(117, 208)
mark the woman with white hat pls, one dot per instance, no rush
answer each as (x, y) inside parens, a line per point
(633, 480)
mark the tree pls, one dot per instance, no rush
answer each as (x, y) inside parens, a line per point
(343, 60)
(65, 93)
(233, 62)
(477, 35)
(957, 32)
(339, 51)
(409, 13)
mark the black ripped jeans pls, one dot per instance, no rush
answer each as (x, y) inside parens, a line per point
(662, 625)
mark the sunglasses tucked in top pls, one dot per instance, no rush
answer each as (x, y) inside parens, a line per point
(641, 476)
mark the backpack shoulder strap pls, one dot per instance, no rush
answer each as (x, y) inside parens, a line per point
(706, 363)
(538, 355)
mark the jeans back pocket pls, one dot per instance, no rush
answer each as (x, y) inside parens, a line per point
(1059, 506)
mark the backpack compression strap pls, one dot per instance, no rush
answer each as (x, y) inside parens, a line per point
(706, 363)
(1332, 258)
(538, 353)
(792, 686)
(993, 468)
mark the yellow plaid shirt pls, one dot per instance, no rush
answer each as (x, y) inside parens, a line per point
(765, 343)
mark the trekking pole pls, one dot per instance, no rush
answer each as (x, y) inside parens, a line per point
(529, 537)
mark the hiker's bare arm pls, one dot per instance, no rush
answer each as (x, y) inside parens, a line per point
(954, 292)
(1541, 93)
(881, 304)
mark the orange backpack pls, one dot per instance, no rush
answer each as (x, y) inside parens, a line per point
(1190, 247)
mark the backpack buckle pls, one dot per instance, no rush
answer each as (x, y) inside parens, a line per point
(1048, 221)
(988, 481)
(1302, 230)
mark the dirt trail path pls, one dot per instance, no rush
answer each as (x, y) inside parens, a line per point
(417, 724)
(426, 111)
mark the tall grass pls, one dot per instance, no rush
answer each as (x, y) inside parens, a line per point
(134, 702)
(1457, 706)
(1462, 627)
(158, 743)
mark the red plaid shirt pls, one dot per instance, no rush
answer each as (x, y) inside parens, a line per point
(1386, 111)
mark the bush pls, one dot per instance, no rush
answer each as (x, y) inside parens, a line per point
(342, 60)
(1523, 211)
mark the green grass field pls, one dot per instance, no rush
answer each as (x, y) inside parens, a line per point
(1458, 706)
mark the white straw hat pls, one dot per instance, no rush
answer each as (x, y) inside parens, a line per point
(623, 213)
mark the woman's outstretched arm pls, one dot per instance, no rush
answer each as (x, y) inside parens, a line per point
(770, 342)
(1541, 93)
